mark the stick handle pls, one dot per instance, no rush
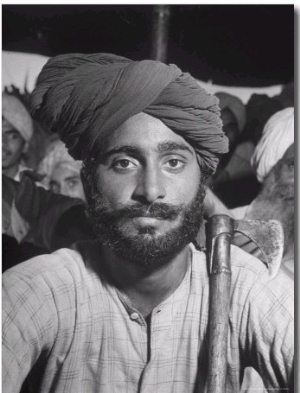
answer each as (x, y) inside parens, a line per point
(220, 233)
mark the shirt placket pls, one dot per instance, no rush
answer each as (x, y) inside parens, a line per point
(161, 328)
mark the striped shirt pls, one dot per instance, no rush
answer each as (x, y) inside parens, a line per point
(65, 322)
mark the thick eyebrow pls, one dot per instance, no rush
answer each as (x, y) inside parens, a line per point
(120, 149)
(75, 177)
(52, 181)
(168, 146)
(162, 147)
(12, 131)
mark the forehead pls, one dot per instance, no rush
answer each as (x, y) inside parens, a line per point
(7, 127)
(144, 132)
(63, 170)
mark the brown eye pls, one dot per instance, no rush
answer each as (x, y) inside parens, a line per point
(173, 163)
(124, 163)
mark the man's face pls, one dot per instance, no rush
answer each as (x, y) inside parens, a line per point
(277, 196)
(149, 193)
(66, 180)
(12, 145)
(286, 172)
(230, 126)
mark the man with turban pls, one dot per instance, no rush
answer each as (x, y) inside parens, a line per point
(233, 113)
(129, 311)
(273, 161)
(277, 136)
(235, 182)
(61, 172)
(17, 131)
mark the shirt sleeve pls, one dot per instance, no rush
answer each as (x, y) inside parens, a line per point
(268, 320)
(27, 327)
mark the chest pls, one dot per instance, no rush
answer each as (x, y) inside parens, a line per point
(112, 345)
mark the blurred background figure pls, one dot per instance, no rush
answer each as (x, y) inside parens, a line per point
(260, 107)
(235, 182)
(24, 141)
(233, 114)
(61, 172)
(273, 164)
(273, 161)
(21, 69)
(17, 131)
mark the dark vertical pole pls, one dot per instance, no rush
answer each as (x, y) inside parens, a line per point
(160, 28)
(219, 239)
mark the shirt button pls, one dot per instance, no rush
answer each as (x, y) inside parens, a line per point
(134, 316)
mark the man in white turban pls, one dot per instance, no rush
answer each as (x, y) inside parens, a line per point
(277, 136)
(273, 160)
(61, 171)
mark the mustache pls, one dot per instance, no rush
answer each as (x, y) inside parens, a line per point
(157, 210)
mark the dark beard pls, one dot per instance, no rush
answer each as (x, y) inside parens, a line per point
(145, 249)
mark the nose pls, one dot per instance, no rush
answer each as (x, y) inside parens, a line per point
(150, 186)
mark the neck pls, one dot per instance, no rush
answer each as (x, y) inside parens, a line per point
(11, 171)
(146, 287)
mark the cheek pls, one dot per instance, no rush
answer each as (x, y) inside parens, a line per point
(16, 147)
(185, 188)
(79, 192)
(115, 189)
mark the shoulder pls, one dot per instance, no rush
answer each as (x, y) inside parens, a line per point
(65, 266)
(241, 262)
(245, 264)
(250, 276)
(45, 264)
(239, 213)
(260, 289)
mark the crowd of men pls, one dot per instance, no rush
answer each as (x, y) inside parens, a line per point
(110, 170)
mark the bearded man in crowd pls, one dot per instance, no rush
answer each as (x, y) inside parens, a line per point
(129, 311)
(273, 162)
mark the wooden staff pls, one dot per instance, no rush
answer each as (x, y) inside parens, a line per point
(220, 233)
(160, 30)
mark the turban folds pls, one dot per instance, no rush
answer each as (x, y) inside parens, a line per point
(84, 97)
(17, 115)
(277, 136)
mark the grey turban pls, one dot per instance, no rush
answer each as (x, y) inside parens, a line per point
(84, 97)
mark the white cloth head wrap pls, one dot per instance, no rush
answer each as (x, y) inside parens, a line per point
(277, 136)
(57, 154)
(17, 115)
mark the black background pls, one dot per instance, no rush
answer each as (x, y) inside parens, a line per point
(242, 45)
